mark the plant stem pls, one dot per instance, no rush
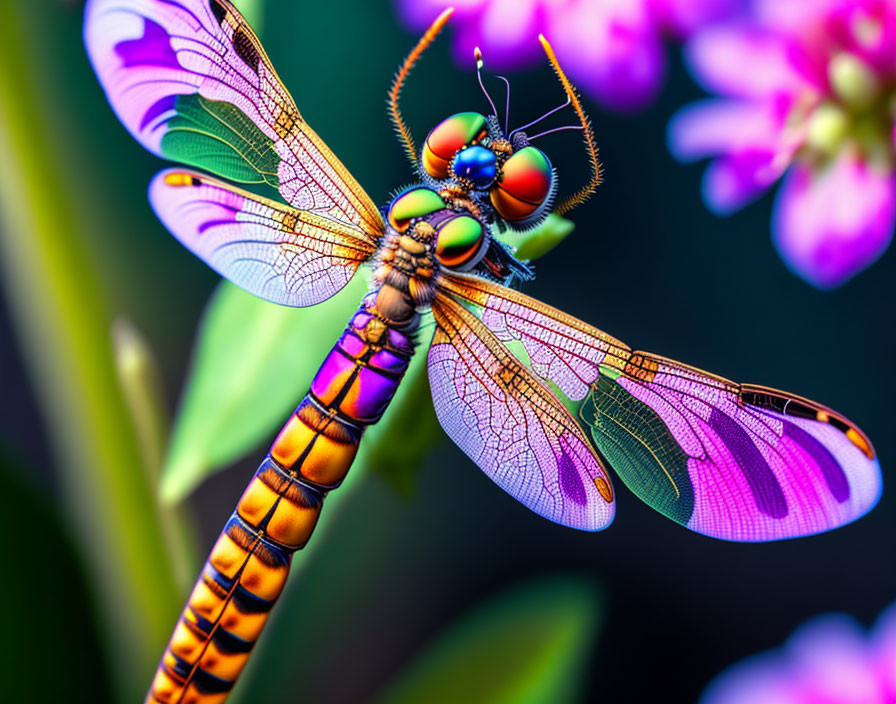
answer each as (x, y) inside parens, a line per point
(62, 325)
(141, 384)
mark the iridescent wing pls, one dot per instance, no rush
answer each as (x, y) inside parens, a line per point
(285, 255)
(729, 460)
(190, 80)
(513, 427)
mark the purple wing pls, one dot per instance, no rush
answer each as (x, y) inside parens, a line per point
(516, 430)
(759, 463)
(288, 256)
(190, 80)
(733, 461)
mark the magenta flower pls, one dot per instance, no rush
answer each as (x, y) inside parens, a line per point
(613, 49)
(808, 88)
(828, 660)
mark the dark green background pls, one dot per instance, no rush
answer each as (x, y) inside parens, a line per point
(647, 263)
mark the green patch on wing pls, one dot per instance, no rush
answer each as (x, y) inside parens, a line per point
(640, 449)
(219, 137)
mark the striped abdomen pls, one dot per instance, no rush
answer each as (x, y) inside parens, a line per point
(248, 565)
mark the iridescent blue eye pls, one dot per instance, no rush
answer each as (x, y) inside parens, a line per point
(475, 164)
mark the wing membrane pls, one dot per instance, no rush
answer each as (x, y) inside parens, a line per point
(191, 81)
(516, 430)
(560, 348)
(734, 461)
(272, 250)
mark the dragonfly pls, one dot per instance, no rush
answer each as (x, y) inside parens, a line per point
(546, 405)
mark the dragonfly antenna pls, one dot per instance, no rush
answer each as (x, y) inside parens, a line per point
(556, 129)
(585, 191)
(398, 122)
(536, 121)
(477, 54)
(506, 104)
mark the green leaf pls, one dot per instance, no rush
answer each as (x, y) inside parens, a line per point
(528, 645)
(253, 11)
(53, 287)
(537, 242)
(253, 363)
(141, 383)
(388, 448)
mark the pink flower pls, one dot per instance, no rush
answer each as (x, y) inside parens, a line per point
(613, 49)
(807, 88)
(828, 660)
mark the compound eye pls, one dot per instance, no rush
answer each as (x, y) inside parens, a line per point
(460, 243)
(448, 138)
(524, 186)
(477, 165)
(413, 203)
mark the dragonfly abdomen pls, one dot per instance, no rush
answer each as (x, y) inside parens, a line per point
(275, 516)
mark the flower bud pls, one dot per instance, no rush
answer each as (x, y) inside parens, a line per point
(852, 80)
(826, 128)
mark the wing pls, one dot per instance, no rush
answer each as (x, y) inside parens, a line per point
(732, 461)
(516, 430)
(190, 80)
(288, 256)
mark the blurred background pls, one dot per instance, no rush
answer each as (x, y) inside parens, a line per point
(96, 573)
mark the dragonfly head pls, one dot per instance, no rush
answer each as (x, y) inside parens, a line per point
(497, 168)
(507, 175)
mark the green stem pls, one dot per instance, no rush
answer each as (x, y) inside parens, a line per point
(141, 383)
(62, 325)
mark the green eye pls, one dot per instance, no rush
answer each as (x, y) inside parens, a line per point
(413, 203)
(460, 242)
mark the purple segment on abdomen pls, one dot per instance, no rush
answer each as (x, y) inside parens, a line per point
(152, 49)
(831, 470)
(352, 344)
(765, 487)
(359, 379)
(372, 395)
(400, 341)
(332, 375)
(389, 362)
(360, 319)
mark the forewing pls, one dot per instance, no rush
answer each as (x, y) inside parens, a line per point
(514, 428)
(272, 250)
(733, 461)
(192, 83)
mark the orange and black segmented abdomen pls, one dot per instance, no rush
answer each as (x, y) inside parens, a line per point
(248, 565)
(239, 584)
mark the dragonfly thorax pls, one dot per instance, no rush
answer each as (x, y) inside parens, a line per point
(427, 230)
(405, 272)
